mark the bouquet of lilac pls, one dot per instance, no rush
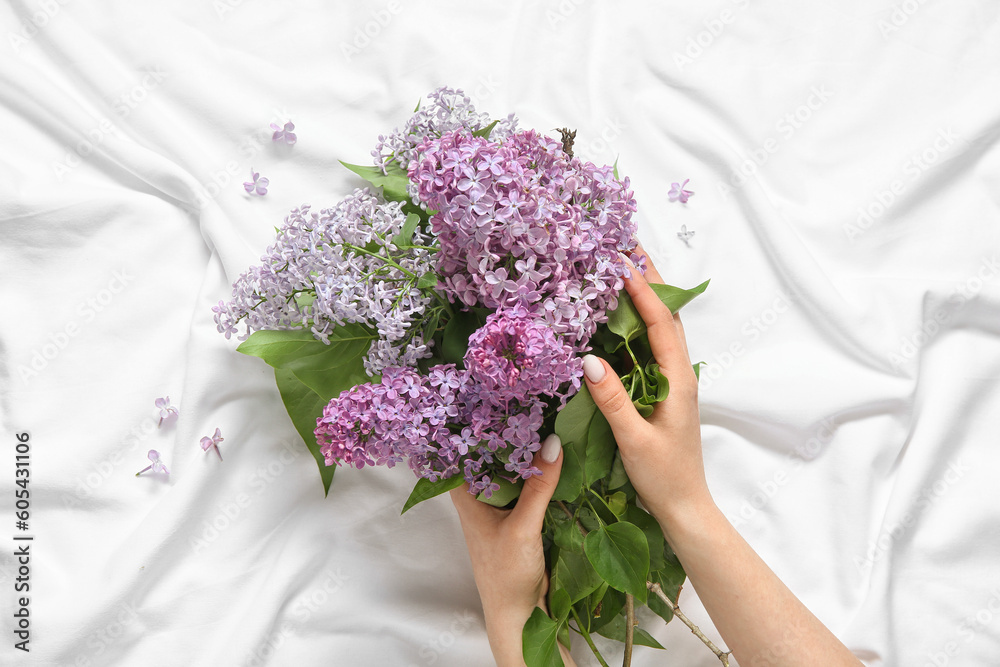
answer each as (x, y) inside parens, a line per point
(438, 318)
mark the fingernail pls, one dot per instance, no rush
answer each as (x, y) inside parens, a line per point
(550, 448)
(593, 368)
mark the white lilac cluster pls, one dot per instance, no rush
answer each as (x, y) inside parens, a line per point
(449, 110)
(334, 267)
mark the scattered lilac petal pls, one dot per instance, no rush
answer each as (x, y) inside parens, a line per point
(157, 465)
(285, 133)
(678, 193)
(257, 185)
(167, 411)
(685, 235)
(208, 442)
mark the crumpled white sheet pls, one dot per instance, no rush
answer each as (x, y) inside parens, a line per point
(846, 175)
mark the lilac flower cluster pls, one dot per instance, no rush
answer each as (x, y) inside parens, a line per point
(450, 109)
(481, 422)
(519, 221)
(338, 266)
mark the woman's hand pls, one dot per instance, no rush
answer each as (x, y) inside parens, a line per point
(661, 454)
(508, 561)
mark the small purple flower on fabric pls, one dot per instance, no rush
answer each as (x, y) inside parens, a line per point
(257, 184)
(678, 193)
(157, 465)
(210, 442)
(285, 133)
(167, 411)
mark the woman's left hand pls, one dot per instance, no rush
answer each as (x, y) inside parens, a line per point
(508, 561)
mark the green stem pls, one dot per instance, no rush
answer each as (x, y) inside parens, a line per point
(384, 259)
(586, 637)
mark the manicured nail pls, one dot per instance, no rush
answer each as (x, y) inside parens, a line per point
(593, 368)
(550, 448)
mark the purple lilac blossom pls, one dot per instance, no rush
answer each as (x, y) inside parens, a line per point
(519, 221)
(338, 266)
(450, 109)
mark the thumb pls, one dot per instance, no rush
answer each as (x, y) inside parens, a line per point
(611, 398)
(538, 489)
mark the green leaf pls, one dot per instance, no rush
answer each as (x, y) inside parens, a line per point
(538, 640)
(612, 603)
(676, 298)
(570, 484)
(614, 169)
(654, 534)
(618, 503)
(393, 182)
(304, 407)
(506, 493)
(425, 489)
(566, 534)
(277, 348)
(559, 604)
(405, 235)
(574, 574)
(417, 108)
(338, 367)
(601, 449)
(618, 477)
(697, 369)
(620, 554)
(326, 369)
(456, 336)
(429, 279)
(642, 408)
(670, 578)
(625, 320)
(597, 597)
(485, 131)
(616, 630)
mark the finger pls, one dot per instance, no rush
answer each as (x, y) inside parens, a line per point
(611, 398)
(663, 336)
(537, 490)
(680, 334)
(652, 275)
(469, 508)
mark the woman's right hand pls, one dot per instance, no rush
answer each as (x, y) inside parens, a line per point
(661, 453)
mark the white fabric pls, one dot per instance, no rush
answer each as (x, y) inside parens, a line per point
(850, 403)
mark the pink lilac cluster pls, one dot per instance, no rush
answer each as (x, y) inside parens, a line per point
(520, 221)
(339, 266)
(450, 109)
(481, 421)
